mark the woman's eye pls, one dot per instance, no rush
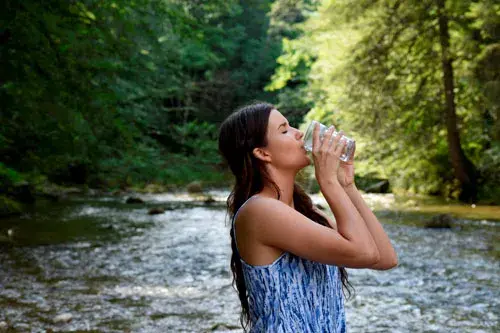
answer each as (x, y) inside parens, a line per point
(285, 132)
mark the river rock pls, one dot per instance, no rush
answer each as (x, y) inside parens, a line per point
(73, 190)
(3, 326)
(134, 200)
(224, 326)
(209, 200)
(156, 210)
(62, 318)
(194, 187)
(442, 221)
(117, 193)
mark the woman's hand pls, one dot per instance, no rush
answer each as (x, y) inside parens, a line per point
(326, 155)
(345, 174)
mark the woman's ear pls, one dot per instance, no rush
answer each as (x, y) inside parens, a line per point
(261, 154)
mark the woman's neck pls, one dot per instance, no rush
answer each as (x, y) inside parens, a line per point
(285, 182)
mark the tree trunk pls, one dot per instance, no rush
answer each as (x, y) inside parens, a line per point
(463, 168)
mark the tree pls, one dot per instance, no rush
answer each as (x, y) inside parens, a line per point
(463, 168)
(378, 73)
(113, 93)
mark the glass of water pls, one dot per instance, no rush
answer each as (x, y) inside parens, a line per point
(349, 147)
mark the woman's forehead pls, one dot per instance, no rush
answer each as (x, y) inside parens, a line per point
(276, 118)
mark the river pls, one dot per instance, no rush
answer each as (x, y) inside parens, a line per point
(110, 267)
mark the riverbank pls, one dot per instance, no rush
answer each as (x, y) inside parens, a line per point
(24, 194)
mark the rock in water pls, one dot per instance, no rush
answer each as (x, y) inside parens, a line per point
(442, 221)
(209, 200)
(156, 210)
(134, 200)
(3, 326)
(194, 187)
(62, 318)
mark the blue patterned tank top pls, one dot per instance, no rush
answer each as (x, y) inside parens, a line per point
(293, 295)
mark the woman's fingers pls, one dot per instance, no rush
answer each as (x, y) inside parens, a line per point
(339, 149)
(333, 139)
(325, 144)
(336, 143)
(330, 144)
(316, 141)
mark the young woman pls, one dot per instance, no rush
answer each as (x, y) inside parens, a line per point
(289, 257)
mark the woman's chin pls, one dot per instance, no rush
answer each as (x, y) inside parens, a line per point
(307, 161)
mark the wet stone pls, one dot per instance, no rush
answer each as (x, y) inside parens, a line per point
(209, 200)
(156, 210)
(442, 221)
(195, 187)
(134, 200)
(23, 327)
(62, 318)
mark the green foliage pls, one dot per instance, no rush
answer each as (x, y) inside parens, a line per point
(376, 73)
(105, 93)
(291, 78)
(120, 93)
(8, 176)
(9, 206)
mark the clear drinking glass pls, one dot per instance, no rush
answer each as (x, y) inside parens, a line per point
(308, 140)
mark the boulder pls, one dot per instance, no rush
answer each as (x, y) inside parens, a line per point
(156, 210)
(194, 187)
(442, 221)
(73, 190)
(134, 200)
(209, 200)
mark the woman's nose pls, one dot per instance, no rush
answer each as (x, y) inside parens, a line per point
(300, 134)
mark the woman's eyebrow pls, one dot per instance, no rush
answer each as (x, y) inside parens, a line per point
(283, 124)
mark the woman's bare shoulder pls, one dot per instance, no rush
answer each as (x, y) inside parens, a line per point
(258, 208)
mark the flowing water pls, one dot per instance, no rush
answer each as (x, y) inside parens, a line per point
(111, 267)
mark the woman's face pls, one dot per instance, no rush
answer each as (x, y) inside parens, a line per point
(285, 144)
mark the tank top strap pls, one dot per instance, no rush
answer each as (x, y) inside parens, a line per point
(234, 219)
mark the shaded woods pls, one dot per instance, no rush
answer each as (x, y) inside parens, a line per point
(119, 94)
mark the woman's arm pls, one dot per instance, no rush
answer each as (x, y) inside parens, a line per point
(275, 224)
(388, 257)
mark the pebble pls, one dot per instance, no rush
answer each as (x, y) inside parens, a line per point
(22, 327)
(3, 325)
(62, 318)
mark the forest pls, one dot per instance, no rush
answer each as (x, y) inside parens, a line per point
(130, 94)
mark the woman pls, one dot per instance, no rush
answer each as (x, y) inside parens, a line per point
(289, 257)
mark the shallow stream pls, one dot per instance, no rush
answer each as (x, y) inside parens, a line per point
(111, 267)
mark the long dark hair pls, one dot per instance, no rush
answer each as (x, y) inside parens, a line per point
(239, 134)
